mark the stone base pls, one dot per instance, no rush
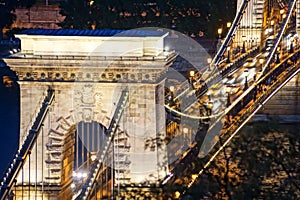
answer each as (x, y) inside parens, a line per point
(151, 192)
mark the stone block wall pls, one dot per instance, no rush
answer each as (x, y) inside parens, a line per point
(286, 101)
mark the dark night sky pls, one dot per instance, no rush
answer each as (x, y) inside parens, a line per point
(9, 120)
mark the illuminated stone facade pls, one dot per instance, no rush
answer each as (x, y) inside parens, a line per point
(87, 87)
(251, 25)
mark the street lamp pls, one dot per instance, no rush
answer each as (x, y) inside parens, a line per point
(261, 61)
(281, 13)
(246, 81)
(291, 47)
(228, 24)
(219, 39)
(171, 97)
(228, 97)
(172, 91)
(220, 32)
(91, 3)
(192, 73)
(176, 195)
(191, 78)
(244, 44)
(209, 62)
(228, 55)
(93, 156)
(186, 133)
(277, 59)
(284, 16)
(209, 107)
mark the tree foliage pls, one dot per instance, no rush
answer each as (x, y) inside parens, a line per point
(192, 17)
(260, 163)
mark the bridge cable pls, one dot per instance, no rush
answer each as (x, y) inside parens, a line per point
(25, 150)
(90, 183)
(217, 58)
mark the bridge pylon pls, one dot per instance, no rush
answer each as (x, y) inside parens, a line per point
(249, 33)
(88, 85)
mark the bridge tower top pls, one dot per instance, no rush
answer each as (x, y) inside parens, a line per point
(137, 43)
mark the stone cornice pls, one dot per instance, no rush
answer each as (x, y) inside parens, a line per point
(146, 70)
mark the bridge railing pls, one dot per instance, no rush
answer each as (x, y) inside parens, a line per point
(23, 152)
(168, 56)
(90, 184)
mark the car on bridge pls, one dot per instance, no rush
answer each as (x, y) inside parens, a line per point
(233, 88)
(250, 63)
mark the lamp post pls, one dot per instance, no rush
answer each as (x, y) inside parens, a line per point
(244, 44)
(209, 107)
(228, 103)
(219, 39)
(284, 16)
(277, 59)
(93, 156)
(246, 81)
(186, 134)
(261, 61)
(228, 55)
(191, 78)
(220, 32)
(291, 45)
(171, 97)
(209, 62)
(281, 14)
(172, 92)
(228, 97)
(228, 24)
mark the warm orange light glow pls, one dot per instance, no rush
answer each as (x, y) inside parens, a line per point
(185, 130)
(93, 156)
(220, 31)
(192, 73)
(7, 81)
(284, 16)
(209, 60)
(261, 61)
(172, 88)
(194, 176)
(228, 24)
(177, 195)
(144, 14)
(228, 89)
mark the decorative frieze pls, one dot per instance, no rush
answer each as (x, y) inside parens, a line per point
(110, 76)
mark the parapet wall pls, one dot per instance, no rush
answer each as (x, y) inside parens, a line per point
(286, 101)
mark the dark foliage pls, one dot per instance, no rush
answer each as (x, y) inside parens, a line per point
(193, 18)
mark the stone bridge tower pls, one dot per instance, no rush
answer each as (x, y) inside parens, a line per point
(251, 25)
(88, 71)
(262, 16)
